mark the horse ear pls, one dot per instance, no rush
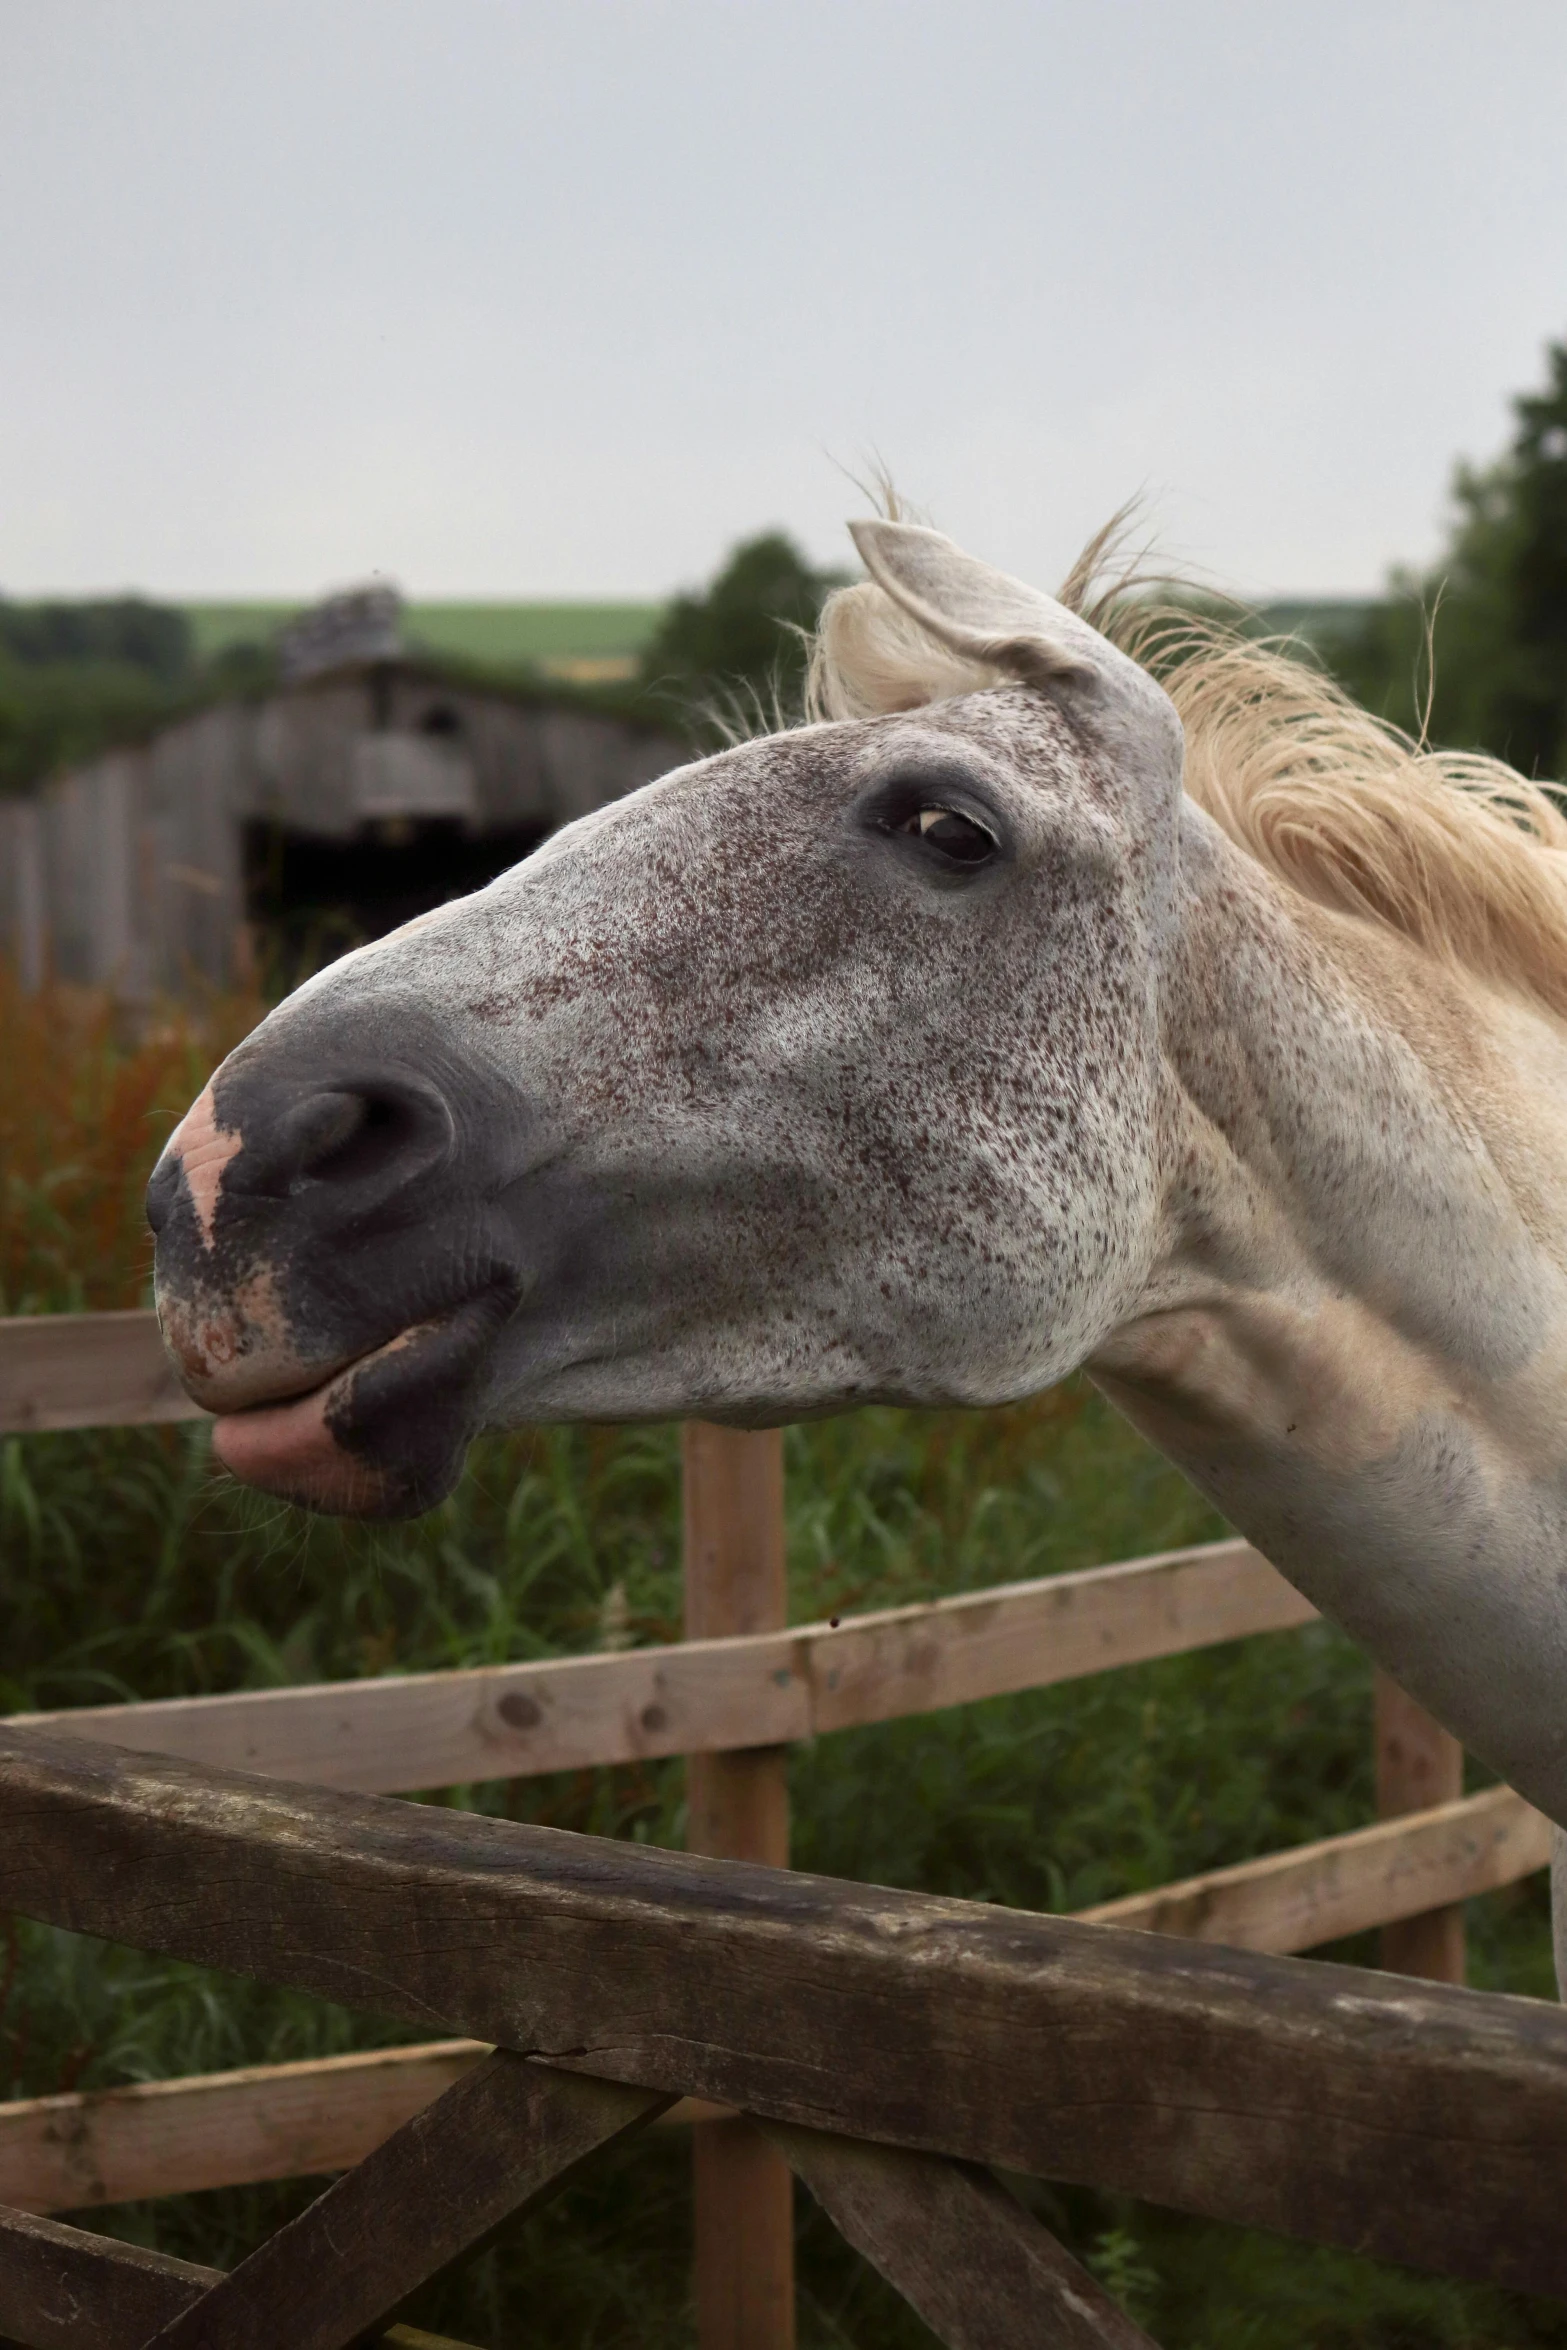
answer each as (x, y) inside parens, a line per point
(988, 618)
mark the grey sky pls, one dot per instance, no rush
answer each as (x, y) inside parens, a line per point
(508, 298)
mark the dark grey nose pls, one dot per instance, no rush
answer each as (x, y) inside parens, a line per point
(350, 1147)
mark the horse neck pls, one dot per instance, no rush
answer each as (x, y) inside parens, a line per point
(1354, 1334)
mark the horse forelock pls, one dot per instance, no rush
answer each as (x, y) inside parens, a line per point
(1455, 851)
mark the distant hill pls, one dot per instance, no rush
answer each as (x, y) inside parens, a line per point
(585, 643)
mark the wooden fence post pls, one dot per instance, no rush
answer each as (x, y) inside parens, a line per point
(1418, 1764)
(738, 1809)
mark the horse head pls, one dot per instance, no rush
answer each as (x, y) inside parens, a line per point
(818, 1073)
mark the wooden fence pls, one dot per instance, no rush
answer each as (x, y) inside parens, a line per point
(732, 1696)
(887, 2047)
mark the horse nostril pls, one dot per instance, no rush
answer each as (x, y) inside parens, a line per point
(346, 1137)
(162, 1191)
(368, 1139)
(322, 1129)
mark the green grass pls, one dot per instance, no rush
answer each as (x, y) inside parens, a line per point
(129, 1570)
(496, 634)
(508, 635)
(215, 627)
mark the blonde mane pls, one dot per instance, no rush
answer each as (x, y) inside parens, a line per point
(1454, 850)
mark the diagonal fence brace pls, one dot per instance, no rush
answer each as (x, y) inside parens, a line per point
(499, 2141)
(63, 2289)
(981, 2271)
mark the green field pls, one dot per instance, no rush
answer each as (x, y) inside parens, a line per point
(503, 636)
(508, 636)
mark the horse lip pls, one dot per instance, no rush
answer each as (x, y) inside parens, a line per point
(317, 1380)
(314, 1382)
(309, 1382)
(383, 1435)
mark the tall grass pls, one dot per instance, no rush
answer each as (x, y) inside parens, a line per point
(85, 1107)
(129, 1569)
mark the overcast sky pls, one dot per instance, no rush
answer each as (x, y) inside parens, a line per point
(503, 298)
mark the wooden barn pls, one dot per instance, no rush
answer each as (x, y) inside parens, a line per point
(368, 786)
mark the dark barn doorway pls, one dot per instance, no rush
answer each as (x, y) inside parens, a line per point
(310, 898)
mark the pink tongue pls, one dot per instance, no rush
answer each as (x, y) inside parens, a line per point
(289, 1450)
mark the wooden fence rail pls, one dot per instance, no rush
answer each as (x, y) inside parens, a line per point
(445, 1729)
(731, 1699)
(1417, 2122)
(86, 1371)
(69, 2152)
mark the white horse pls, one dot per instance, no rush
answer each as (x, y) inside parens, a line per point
(928, 1051)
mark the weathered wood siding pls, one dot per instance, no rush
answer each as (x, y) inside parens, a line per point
(128, 872)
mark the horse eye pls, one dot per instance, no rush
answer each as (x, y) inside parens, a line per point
(957, 837)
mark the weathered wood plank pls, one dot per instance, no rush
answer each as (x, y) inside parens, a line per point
(444, 1729)
(1418, 1764)
(704, 1696)
(1057, 1628)
(737, 1808)
(60, 2286)
(61, 2289)
(1319, 1892)
(229, 2129)
(86, 1371)
(496, 2143)
(981, 2271)
(285, 2121)
(1418, 2121)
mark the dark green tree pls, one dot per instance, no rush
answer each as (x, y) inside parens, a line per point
(54, 714)
(736, 651)
(76, 677)
(120, 631)
(1499, 600)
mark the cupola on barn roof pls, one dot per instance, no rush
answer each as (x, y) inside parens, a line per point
(357, 625)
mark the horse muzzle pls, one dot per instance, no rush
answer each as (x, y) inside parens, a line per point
(329, 1280)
